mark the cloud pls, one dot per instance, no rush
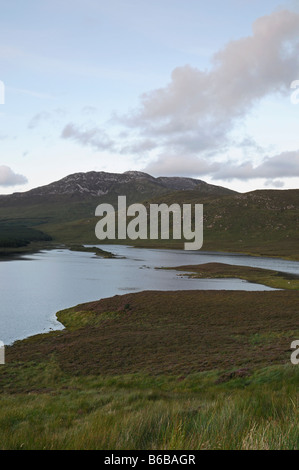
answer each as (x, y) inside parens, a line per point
(93, 137)
(189, 122)
(248, 144)
(175, 165)
(9, 178)
(198, 109)
(275, 183)
(138, 147)
(47, 116)
(285, 164)
(88, 110)
(38, 118)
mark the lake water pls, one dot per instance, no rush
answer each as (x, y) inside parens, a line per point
(35, 287)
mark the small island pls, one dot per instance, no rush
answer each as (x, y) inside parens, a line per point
(92, 249)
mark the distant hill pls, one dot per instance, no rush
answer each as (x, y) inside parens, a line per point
(262, 222)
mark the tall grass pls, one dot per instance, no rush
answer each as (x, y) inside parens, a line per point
(142, 412)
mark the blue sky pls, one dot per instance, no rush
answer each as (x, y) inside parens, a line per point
(168, 87)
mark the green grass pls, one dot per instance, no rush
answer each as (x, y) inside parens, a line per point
(262, 223)
(158, 370)
(149, 412)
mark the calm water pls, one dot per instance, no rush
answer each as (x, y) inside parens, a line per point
(34, 288)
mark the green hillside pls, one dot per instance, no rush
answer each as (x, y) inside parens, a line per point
(261, 222)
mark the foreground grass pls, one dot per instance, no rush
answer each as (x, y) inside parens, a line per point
(145, 412)
(158, 370)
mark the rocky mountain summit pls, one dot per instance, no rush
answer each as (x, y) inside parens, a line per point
(101, 183)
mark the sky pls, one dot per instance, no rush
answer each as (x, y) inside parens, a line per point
(208, 90)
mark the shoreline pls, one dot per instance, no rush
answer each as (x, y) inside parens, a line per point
(265, 277)
(34, 247)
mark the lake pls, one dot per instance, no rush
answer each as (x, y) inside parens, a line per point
(33, 288)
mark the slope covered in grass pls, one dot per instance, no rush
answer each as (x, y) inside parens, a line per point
(171, 333)
(267, 277)
(158, 370)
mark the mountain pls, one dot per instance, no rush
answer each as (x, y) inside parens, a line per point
(105, 186)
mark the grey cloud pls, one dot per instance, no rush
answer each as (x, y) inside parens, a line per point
(248, 144)
(9, 178)
(38, 118)
(174, 165)
(275, 183)
(138, 147)
(45, 116)
(88, 110)
(285, 164)
(94, 137)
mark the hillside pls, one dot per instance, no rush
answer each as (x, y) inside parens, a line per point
(263, 222)
(75, 197)
(259, 222)
(169, 370)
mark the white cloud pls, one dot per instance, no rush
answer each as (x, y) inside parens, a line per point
(198, 109)
(94, 137)
(9, 178)
(191, 120)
